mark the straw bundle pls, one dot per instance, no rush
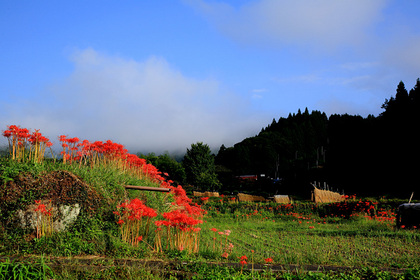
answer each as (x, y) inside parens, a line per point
(206, 194)
(248, 197)
(281, 199)
(326, 196)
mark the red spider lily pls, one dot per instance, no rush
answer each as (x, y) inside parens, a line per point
(17, 138)
(214, 238)
(162, 223)
(38, 143)
(268, 260)
(36, 137)
(7, 133)
(70, 148)
(181, 223)
(134, 217)
(95, 153)
(114, 154)
(73, 140)
(180, 219)
(41, 208)
(243, 261)
(44, 220)
(204, 199)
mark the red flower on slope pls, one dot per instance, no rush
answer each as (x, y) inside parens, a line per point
(268, 260)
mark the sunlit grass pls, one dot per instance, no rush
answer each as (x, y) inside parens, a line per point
(350, 243)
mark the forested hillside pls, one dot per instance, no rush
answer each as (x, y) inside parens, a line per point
(368, 156)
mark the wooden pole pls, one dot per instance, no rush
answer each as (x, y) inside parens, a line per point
(411, 197)
(144, 188)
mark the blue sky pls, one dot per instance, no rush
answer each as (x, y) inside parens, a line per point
(161, 75)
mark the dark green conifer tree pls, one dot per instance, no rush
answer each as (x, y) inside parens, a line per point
(200, 167)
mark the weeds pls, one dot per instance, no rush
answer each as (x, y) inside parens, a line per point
(25, 270)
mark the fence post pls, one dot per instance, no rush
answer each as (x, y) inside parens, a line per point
(144, 188)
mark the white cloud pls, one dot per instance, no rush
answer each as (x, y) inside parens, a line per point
(311, 24)
(147, 106)
(404, 55)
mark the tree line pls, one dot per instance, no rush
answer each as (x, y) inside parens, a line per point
(352, 154)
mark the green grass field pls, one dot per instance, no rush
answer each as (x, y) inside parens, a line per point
(313, 240)
(354, 239)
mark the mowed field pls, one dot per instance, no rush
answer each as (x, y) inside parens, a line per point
(338, 234)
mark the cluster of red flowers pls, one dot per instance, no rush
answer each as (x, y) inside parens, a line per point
(183, 218)
(243, 260)
(134, 218)
(413, 227)
(20, 139)
(349, 197)
(75, 150)
(36, 138)
(268, 260)
(134, 210)
(108, 153)
(181, 223)
(183, 202)
(70, 149)
(95, 152)
(44, 220)
(225, 246)
(383, 216)
(180, 220)
(41, 208)
(346, 209)
(81, 151)
(16, 134)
